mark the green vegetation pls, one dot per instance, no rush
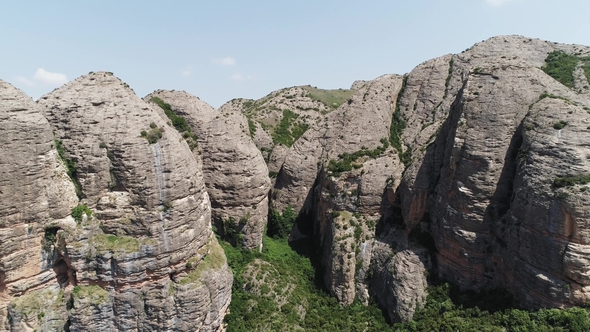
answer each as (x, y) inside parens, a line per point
(560, 125)
(331, 98)
(49, 238)
(291, 278)
(93, 293)
(153, 135)
(79, 211)
(251, 127)
(70, 165)
(447, 309)
(586, 67)
(561, 66)
(345, 160)
(571, 181)
(36, 303)
(292, 298)
(179, 122)
(280, 224)
(449, 75)
(288, 131)
(398, 124)
(114, 243)
(213, 261)
(550, 95)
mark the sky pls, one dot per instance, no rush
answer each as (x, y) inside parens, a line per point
(220, 50)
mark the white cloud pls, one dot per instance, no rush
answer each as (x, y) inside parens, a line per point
(25, 81)
(188, 72)
(241, 77)
(237, 77)
(227, 61)
(47, 77)
(497, 3)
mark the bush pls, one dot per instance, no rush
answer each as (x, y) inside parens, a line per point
(154, 135)
(179, 123)
(79, 211)
(71, 168)
(345, 160)
(571, 181)
(251, 127)
(561, 66)
(281, 224)
(560, 125)
(287, 131)
(398, 124)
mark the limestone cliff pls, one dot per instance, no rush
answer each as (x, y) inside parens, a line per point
(236, 176)
(485, 162)
(36, 196)
(141, 254)
(276, 121)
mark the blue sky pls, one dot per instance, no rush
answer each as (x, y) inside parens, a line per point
(219, 50)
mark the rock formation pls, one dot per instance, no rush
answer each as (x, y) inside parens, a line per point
(141, 254)
(277, 121)
(484, 148)
(473, 169)
(235, 173)
(36, 196)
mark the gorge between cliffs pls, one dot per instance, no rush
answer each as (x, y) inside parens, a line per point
(454, 197)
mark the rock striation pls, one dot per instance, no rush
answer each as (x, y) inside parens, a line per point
(276, 121)
(481, 147)
(138, 253)
(35, 195)
(473, 168)
(236, 176)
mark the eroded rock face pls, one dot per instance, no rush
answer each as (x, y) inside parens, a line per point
(470, 181)
(340, 174)
(144, 257)
(35, 194)
(235, 173)
(481, 137)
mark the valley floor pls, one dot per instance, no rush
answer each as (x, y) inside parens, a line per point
(280, 290)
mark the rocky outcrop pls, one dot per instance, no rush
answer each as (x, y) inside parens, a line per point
(338, 175)
(141, 254)
(277, 121)
(36, 195)
(479, 139)
(235, 173)
(467, 180)
(472, 168)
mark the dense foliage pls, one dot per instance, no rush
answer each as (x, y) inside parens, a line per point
(561, 66)
(447, 309)
(79, 211)
(288, 131)
(280, 224)
(308, 306)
